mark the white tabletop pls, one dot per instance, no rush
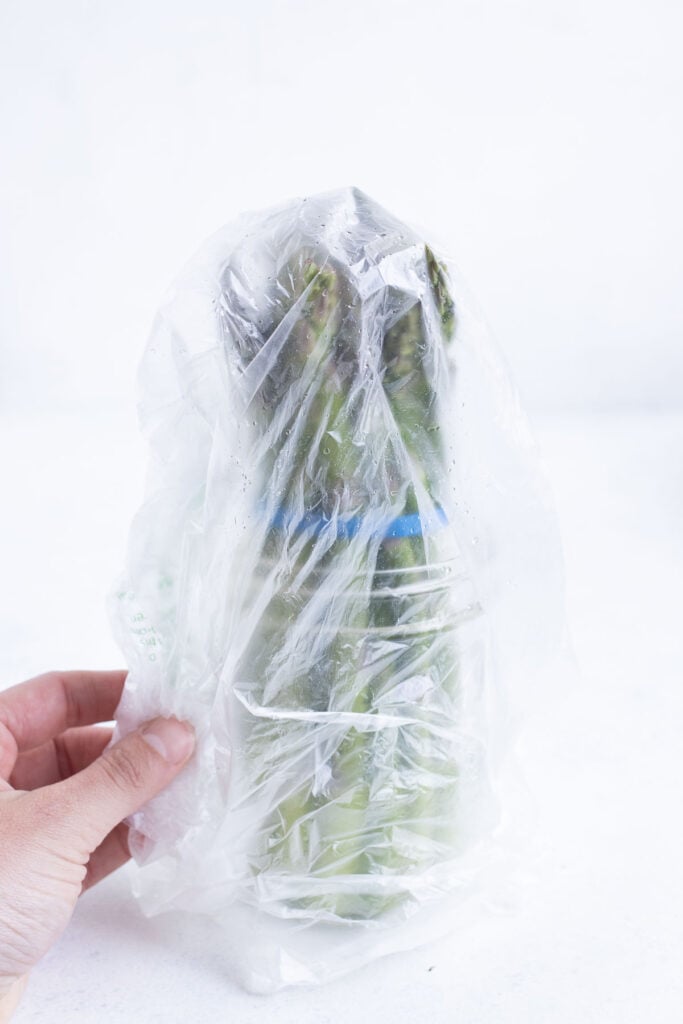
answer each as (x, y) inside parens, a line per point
(598, 935)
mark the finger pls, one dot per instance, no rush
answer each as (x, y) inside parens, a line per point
(33, 712)
(110, 854)
(91, 803)
(60, 758)
(10, 1000)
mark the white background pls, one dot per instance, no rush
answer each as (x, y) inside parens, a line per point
(542, 140)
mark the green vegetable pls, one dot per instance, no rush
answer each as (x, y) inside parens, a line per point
(351, 671)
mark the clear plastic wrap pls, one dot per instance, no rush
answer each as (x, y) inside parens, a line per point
(344, 564)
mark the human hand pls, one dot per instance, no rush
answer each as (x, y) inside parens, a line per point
(62, 801)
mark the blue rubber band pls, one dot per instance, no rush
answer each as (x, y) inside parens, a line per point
(410, 525)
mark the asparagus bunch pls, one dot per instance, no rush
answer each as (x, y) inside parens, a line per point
(351, 667)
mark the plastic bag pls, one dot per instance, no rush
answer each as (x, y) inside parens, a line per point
(343, 565)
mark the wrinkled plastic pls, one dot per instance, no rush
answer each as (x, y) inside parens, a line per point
(344, 565)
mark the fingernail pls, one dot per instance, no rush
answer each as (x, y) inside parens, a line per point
(172, 739)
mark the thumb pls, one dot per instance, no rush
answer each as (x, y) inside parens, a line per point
(124, 778)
